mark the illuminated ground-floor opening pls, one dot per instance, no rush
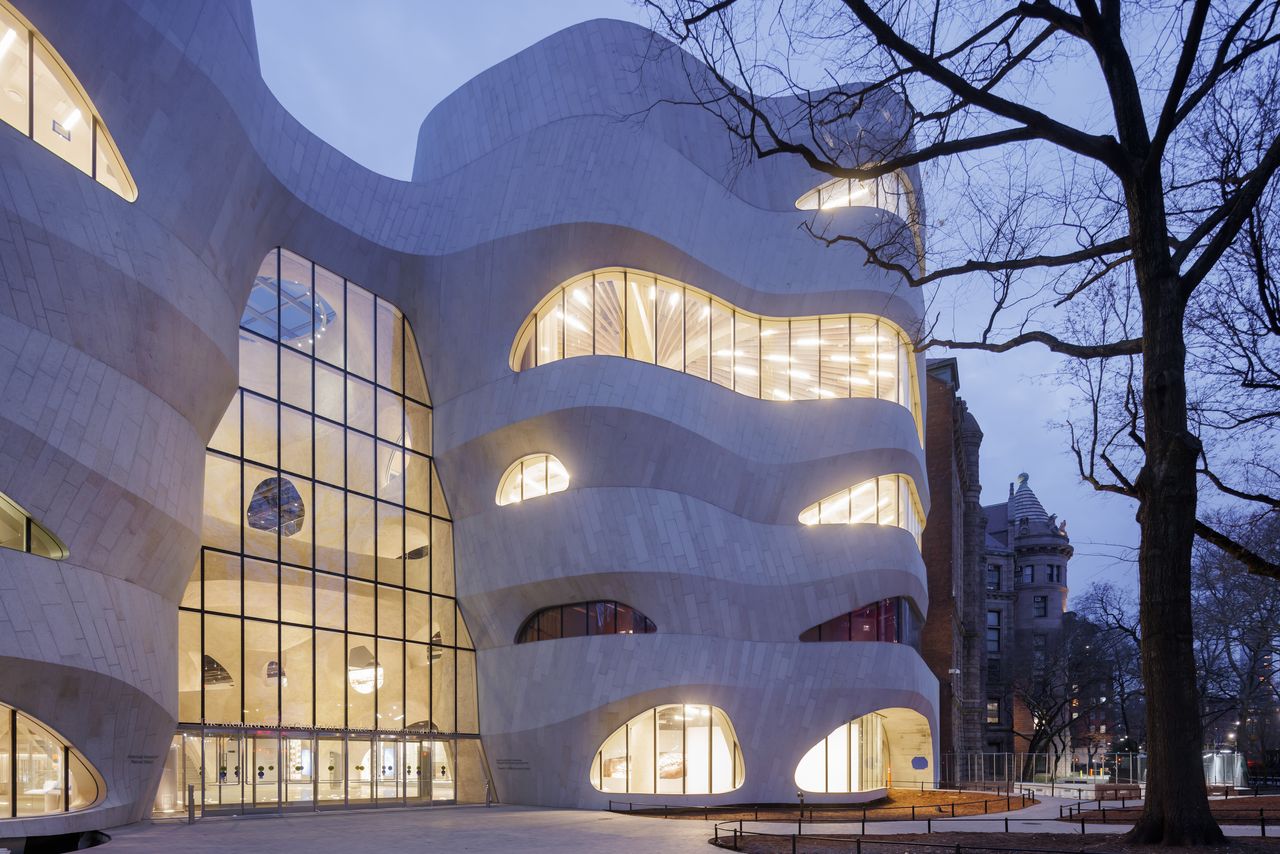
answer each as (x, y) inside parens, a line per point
(237, 771)
(869, 753)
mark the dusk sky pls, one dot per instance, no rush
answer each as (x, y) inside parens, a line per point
(364, 82)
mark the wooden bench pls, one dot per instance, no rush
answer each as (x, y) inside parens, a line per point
(1117, 791)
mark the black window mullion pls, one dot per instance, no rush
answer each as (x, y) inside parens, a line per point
(13, 763)
(377, 570)
(279, 536)
(315, 771)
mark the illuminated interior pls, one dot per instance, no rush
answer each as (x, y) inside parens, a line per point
(887, 500)
(672, 749)
(40, 772)
(18, 531)
(641, 316)
(60, 116)
(890, 192)
(532, 476)
(853, 758)
(322, 608)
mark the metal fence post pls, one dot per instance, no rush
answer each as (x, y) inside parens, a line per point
(928, 825)
(1006, 824)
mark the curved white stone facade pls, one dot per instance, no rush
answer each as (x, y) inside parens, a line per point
(118, 355)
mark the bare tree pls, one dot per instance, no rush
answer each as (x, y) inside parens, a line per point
(1237, 625)
(1055, 679)
(1119, 646)
(1137, 238)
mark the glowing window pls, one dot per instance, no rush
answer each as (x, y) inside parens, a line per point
(890, 192)
(18, 531)
(641, 316)
(851, 759)
(51, 775)
(887, 500)
(42, 99)
(676, 749)
(584, 618)
(531, 477)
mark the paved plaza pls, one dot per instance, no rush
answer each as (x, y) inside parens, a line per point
(524, 829)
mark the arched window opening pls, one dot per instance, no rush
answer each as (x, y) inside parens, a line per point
(892, 193)
(583, 619)
(890, 499)
(675, 749)
(853, 758)
(20, 532)
(894, 620)
(51, 775)
(532, 476)
(638, 315)
(43, 100)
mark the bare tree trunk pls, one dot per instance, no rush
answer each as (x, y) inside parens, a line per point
(1176, 811)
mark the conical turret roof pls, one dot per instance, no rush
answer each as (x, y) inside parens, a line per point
(1023, 503)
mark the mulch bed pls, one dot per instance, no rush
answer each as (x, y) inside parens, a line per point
(983, 843)
(896, 807)
(1242, 810)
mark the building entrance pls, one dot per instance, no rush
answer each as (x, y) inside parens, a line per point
(241, 772)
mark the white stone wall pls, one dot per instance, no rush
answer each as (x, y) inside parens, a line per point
(118, 355)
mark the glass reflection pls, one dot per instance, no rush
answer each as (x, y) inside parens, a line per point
(894, 620)
(584, 618)
(676, 326)
(678, 748)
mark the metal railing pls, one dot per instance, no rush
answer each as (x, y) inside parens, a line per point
(731, 837)
(729, 834)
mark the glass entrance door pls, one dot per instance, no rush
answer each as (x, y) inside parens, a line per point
(417, 771)
(264, 779)
(299, 772)
(224, 768)
(331, 767)
(389, 771)
(442, 788)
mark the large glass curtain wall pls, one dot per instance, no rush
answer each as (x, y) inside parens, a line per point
(40, 773)
(43, 101)
(676, 749)
(851, 759)
(644, 317)
(323, 601)
(890, 499)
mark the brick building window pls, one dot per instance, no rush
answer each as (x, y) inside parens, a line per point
(1041, 606)
(993, 576)
(993, 712)
(993, 632)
